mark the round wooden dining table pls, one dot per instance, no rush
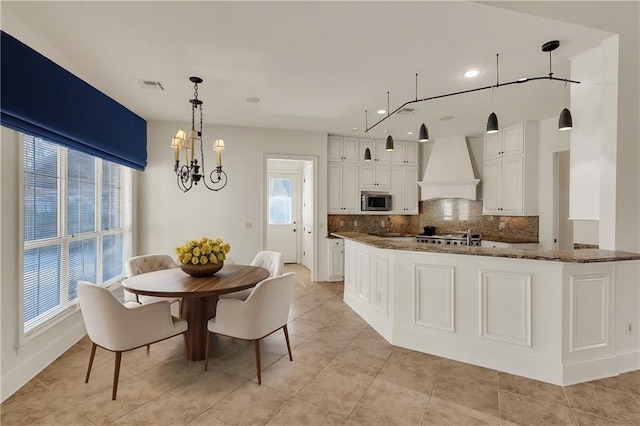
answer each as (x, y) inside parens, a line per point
(199, 295)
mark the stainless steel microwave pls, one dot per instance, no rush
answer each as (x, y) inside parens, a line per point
(375, 201)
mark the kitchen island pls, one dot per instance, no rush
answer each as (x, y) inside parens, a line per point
(561, 317)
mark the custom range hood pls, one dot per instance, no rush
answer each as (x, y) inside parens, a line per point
(449, 173)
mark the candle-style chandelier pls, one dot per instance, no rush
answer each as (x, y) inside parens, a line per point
(193, 171)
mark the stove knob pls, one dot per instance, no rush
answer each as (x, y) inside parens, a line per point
(455, 243)
(439, 241)
(448, 242)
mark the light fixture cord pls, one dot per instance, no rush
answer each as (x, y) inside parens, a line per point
(497, 70)
(565, 94)
(416, 87)
(387, 104)
(551, 72)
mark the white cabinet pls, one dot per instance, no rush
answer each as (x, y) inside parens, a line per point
(375, 177)
(336, 259)
(405, 154)
(344, 196)
(343, 149)
(379, 155)
(404, 193)
(500, 244)
(366, 280)
(511, 171)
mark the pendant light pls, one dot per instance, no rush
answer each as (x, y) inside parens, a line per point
(565, 122)
(389, 144)
(424, 133)
(492, 121)
(367, 154)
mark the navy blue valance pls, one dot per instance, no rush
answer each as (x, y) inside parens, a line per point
(40, 98)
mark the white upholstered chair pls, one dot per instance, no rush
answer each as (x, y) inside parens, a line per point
(119, 327)
(265, 311)
(269, 260)
(143, 264)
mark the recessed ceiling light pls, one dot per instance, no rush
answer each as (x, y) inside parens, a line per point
(446, 118)
(253, 100)
(386, 132)
(409, 133)
(355, 129)
(382, 111)
(471, 73)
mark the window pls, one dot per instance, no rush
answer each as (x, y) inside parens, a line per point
(279, 201)
(76, 217)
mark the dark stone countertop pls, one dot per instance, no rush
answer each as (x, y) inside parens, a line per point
(572, 256)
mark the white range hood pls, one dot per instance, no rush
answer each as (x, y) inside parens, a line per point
(449, 173)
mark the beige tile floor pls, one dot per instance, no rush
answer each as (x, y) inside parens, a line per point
(342, 372)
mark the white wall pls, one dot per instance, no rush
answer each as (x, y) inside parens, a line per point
(20, 364)
(167, 217)
(550, 140)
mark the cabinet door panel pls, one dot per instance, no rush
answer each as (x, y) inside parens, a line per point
(334, 173)
(512, 185)
(351, 195)
(368, 177)
(334, 149)
(491, 188)
(513, 140)
(411, 154)
(383, 177)
(397, 190)
(383, 156)
(411, 190)
(492, 146)
(350, 150)
(398, 154)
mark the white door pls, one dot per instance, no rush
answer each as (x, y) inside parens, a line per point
(307, 217)
(284, 222)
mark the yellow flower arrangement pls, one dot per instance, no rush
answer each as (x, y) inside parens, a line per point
(203, 251)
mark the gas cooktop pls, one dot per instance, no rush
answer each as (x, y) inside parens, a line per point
(450, 239)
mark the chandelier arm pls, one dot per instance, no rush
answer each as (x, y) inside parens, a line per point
(520, 81)
(214, 182)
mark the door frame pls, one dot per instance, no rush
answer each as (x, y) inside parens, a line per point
(265, 202)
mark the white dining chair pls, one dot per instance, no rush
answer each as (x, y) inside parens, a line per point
(143, 264)
(265, 311)
(119, 327)
(269, 260)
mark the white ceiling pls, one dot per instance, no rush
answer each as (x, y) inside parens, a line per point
(316, 65)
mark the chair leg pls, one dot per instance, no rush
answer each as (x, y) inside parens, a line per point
(93, 354)
(286, 336)
(116, 374)
(148, 349)
(257, 346)
(206, 352)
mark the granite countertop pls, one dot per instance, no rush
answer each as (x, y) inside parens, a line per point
(508, 239)
(575, 256)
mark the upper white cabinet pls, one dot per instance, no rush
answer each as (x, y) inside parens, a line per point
(379, 155)
(343, 149)
(405, 154)
(506, 143)
(375, 178)
(510, 183)
(344, 195)
(404, 194)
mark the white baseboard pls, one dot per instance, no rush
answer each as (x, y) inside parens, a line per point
(33, 365)
(628, 361)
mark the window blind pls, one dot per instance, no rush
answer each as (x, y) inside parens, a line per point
(43, 99)
(75, 226)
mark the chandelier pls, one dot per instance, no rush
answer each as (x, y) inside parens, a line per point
(193, 171)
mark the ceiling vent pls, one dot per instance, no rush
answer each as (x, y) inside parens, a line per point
(148, 84)
(407, 111)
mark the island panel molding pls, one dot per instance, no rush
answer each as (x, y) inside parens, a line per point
(531, 306)
(505, 307)
(589, 297)
(434, 297)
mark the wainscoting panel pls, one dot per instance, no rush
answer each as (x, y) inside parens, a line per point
(505, 307)
(588, 312)
(434, 297)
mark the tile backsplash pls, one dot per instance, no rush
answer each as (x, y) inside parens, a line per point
(448, 215)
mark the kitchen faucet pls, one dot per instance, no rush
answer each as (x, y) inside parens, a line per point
(468, 237)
